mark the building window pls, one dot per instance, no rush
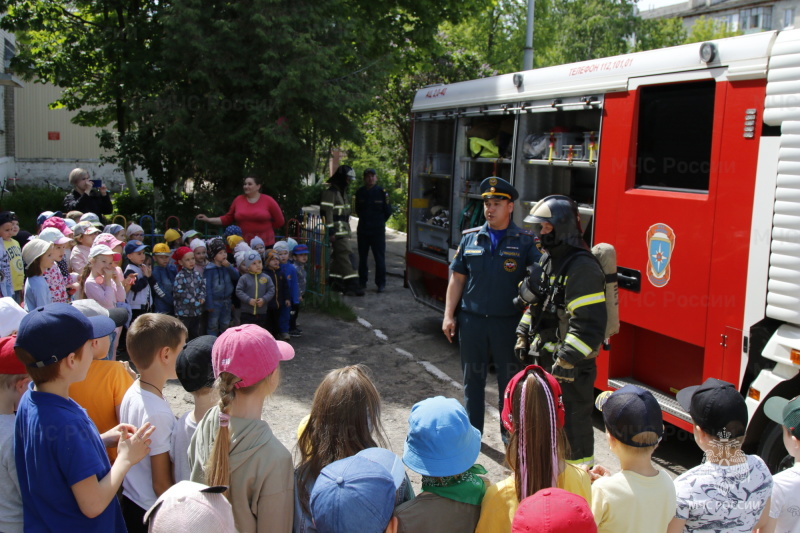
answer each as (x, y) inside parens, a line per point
(755, 19)
(9, 51)
(788, 18)
(728, 22)
(674, 140)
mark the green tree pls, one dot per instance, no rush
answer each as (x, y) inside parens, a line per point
(658, 33)
(386, 143)
(708, 29)
(100, 53)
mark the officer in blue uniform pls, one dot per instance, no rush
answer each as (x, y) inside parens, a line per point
(489, 265)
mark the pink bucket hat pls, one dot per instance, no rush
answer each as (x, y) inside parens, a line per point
(59, 224)
(108, 239)
(249, 352)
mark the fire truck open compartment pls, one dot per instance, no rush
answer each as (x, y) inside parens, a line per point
(484, 148)
(430, 194)
(557, 151)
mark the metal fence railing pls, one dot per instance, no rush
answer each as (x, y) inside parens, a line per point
(310, 230)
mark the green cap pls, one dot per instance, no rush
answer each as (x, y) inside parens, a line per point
(784, 412)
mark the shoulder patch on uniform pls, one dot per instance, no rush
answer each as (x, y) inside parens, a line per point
(471, 230)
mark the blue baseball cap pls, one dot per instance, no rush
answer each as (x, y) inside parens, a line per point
(47, 214)
(134, 246)
(353, 494)
(441, 442)
(52, 332)
(631, 411)
(388, 460)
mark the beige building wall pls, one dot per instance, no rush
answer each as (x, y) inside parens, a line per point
(44, 133)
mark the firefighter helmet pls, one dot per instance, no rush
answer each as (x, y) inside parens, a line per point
(344, 173)
(562, 213)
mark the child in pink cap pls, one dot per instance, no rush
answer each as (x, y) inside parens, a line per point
(257, 468)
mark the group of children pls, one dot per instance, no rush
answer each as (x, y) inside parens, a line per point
(224, 461)
(207, 284)
(87, 427)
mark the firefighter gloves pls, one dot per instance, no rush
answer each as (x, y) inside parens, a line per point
(563, 371)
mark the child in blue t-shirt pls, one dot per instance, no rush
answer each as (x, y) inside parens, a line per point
(289, 272)
(66, 480)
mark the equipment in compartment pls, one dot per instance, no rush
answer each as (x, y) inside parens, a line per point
(433, 229)
(561, 145)
(438, 163)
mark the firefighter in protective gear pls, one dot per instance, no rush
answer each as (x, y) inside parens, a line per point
(564, 327)
(335, 208)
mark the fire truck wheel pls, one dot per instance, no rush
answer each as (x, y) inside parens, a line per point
(771, 449)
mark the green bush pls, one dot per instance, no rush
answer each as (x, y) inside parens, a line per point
(185, 206)
(398, 197)
(28, 202)
(134, 207)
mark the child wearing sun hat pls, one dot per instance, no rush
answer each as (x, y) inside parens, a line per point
(442, 446)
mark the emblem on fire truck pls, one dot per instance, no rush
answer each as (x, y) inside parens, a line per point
(660, 245)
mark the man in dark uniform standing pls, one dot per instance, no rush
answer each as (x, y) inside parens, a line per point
(566, 323)
(488, 266)
(373, 210)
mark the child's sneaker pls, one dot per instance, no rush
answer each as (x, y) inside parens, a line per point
(295, 333)
(284, 336)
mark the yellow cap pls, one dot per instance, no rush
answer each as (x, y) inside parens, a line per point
(172, 235)
(161, 248)
(233, 240)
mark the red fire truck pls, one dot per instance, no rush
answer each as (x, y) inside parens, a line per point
(687, 160)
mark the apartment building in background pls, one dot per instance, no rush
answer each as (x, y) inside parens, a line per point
(746, 16)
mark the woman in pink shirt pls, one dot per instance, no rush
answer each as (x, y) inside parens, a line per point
(257, 214)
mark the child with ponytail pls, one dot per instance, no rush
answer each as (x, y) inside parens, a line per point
(533, 412)
(233, 446)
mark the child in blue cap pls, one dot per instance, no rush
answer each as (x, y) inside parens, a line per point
(66, 480)
(442, 446)
(354, 494)
(300, 258)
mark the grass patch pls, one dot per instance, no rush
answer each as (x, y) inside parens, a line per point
(330, 304)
